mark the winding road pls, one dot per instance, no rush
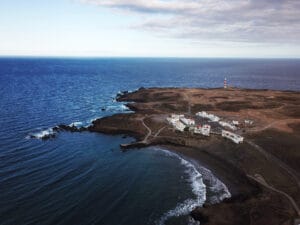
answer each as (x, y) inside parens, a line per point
(160, 130)
(186, 98)
(271, 157)
(149, 132)
(259, 179)
(274, 123)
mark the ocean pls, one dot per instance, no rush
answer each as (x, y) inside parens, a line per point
(84, 178)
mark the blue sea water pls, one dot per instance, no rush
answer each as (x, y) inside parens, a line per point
(84, 178)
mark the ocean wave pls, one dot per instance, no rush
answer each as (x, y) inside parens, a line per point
(197, 185)
(128, 91)
(117, 108)
(124, 107)
(51, 132)
(43, 134)
(218, 189)
(197, 176)
(76, 124)
(89, 122)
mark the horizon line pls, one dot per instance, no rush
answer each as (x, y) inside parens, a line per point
(148, 57)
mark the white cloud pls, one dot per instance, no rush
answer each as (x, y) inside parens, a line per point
(257, 21)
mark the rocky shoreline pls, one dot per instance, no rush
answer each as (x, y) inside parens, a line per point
(257, 175)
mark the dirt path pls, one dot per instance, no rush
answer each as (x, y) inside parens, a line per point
(160, 130)
(186, 98)
(279, 124)
(271, 157)
(149, 131)
(259, 178)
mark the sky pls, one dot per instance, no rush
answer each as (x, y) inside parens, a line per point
(151, 28)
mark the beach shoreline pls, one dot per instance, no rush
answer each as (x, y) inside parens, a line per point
(248, 169)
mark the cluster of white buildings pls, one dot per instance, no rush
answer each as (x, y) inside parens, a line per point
(180, 122)
(215, 118)
(248, 122)
(209, 116)
(175, 121)
(232, 136)
(187, 122)
(228, 125)
(204, 130)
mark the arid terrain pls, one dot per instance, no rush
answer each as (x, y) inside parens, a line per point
(262, 173)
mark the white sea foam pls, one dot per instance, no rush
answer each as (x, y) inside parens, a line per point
(90, 121)
(198, 188)
(76, 124)
(124, 107)
(42, 134)
(129, 91)
(117, 108)
(215, 186)
(196, 176)
(50, 132)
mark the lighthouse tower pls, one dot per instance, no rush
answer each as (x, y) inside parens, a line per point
(225, 83)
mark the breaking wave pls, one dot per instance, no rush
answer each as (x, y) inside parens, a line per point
(48, 133)
(76, 124)
(117, 108)
(198, 188)
(197, 176)
(217, 188)
(51, 132)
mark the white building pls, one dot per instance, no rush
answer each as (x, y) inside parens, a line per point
(187, 122)
(204, 130)
(177, 116)
(248, 122)
(211, 117)
(235, 122)
(174, 120)
(234, 137)
(171, 121)
(228, 125)
(179, 126)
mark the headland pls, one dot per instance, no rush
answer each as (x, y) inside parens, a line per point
(257, 157)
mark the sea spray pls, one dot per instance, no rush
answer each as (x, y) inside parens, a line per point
(197, 176)
(76, 124)
(42, 134)
(217, 188)
(197, 185)
(52, 132)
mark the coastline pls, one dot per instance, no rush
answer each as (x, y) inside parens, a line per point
(274, 113)
(237, 186)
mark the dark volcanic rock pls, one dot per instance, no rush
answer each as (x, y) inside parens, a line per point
(118, 124)
(45, 137)
(63, 127)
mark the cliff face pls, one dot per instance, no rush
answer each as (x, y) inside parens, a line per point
(119, 124)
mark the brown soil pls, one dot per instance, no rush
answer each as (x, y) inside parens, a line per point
(271, 147)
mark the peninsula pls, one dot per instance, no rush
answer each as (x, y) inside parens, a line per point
(248, 138)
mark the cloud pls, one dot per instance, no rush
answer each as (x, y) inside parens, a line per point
(257, 21)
